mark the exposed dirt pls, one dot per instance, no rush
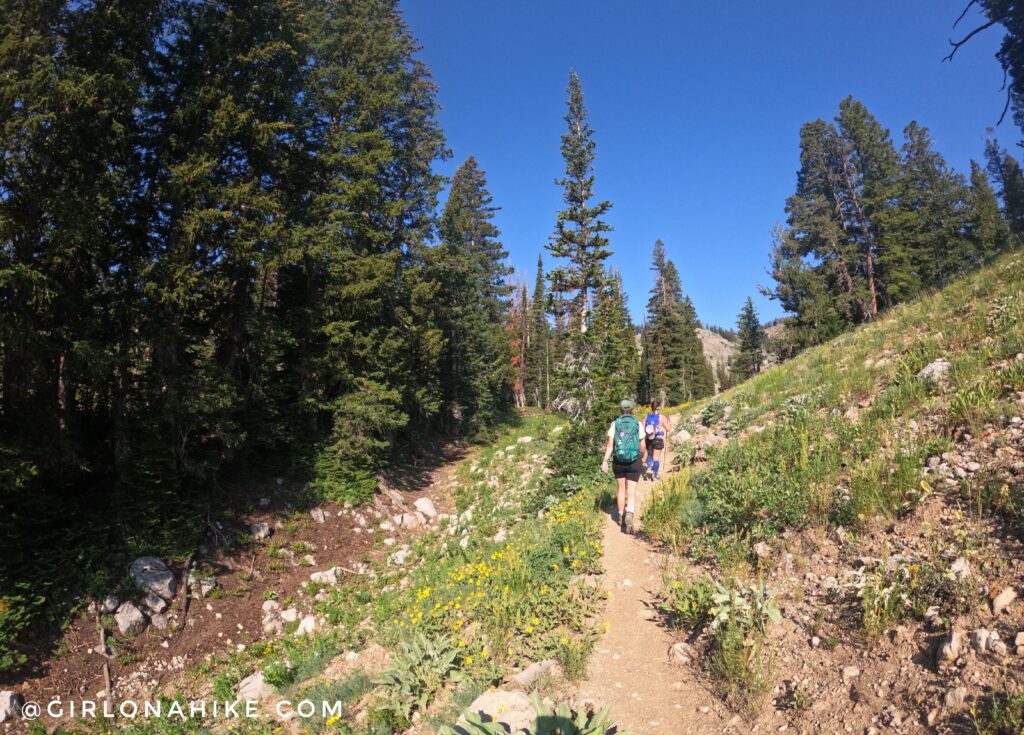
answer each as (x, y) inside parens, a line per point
(630, 670)
(154, 660)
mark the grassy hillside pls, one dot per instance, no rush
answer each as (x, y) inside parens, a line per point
(841, 433)
(861, 496)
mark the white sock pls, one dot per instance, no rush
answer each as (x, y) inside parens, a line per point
(629, 508)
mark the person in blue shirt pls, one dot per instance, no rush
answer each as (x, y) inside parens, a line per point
(656, 428)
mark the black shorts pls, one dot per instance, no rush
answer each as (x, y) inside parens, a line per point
(656, 443)
(629, 470)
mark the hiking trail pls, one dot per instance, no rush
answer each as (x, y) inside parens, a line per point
(630, 671)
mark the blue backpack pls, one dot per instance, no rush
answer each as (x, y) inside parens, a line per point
(627, 439)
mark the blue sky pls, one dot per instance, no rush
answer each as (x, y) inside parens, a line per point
(696, 109)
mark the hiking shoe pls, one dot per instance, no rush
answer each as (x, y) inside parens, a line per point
(627, 522)
(622, 523)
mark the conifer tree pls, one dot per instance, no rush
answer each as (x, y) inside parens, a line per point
(933, 203)
(748, 360)
(580, 245)
(617, 362)
(1009, 178)
(475, 368)
(985, 226)
(675, 355)
(538, 356)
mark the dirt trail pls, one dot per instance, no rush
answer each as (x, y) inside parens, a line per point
(630, 670)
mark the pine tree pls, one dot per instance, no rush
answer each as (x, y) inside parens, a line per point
(1009, 178)
(985, 226)
(674, 353)
(581, 247)
(616, 365)
(475, 372)
(748, 360)
(932, 199)
(538, 356)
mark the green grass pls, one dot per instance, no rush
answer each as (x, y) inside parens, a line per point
(835, 445)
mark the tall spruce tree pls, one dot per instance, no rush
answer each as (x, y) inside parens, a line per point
(1009, 178)
(475, 373)
(749, 358)
(985, 225)
(932, 200)
(580, 247)
(675, 360)
(538, 354)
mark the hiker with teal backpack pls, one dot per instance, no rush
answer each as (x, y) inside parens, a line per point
(626, 447)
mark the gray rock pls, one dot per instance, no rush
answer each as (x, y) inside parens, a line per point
(201, 587)
(932, 617)
(151, 574)
(512, 708)
(109, 604)
(426, 507)
(129, 619)
(936, 372)
(1019, 640)
(264, 502)
(290, 615)
(271, 606)
(253, 688)
(762, 550)
(260, 531)
(955, 697)
(849, 674)
(328, 576)
(680, 653)
(960, 568)
(1003, 600)
(979, 640)
(306, 626)
(318, 515)
(526, 678)
(949, 648)
(10, 705)
(154, 602)
(159, 621)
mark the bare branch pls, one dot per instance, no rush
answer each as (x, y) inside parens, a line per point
(972, 2)
(957, 44)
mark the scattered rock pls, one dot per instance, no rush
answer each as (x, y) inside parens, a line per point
(955, 697)
(936, 372)
(512, 708)
(253, 688)
(426, 507)
(526, 678)
(1003, 600)
(500, 535)
(260, 531)
(327, 576)
(306, 626)
(264, 502)
(949, 647)
(290, 615)
(10, 705)
(154, 602)
(849, 674)
(762, 550)
(408, 521)
(318, 515)
(960, 568)
(149, 573)
(129, 619)
(524, 440)
(159, 621)
(109, 604)
(979, 640)
(680, 653)
(201, 586)
(932, 617)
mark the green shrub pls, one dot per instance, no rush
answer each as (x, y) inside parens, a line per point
(1001, 715)
(713, 412)
(560, 720)
(741, 668)
(422, 668)
(689, 601)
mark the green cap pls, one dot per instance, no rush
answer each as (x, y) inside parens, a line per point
(626, 405)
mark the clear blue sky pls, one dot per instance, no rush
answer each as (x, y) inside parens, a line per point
(696, 109)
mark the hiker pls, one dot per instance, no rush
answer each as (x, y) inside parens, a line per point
(656, 428)
(625, 443)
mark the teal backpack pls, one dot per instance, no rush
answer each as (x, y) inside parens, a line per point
(627, 439)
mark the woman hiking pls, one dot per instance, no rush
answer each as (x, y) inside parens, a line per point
(656, 428)
(626, 449)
